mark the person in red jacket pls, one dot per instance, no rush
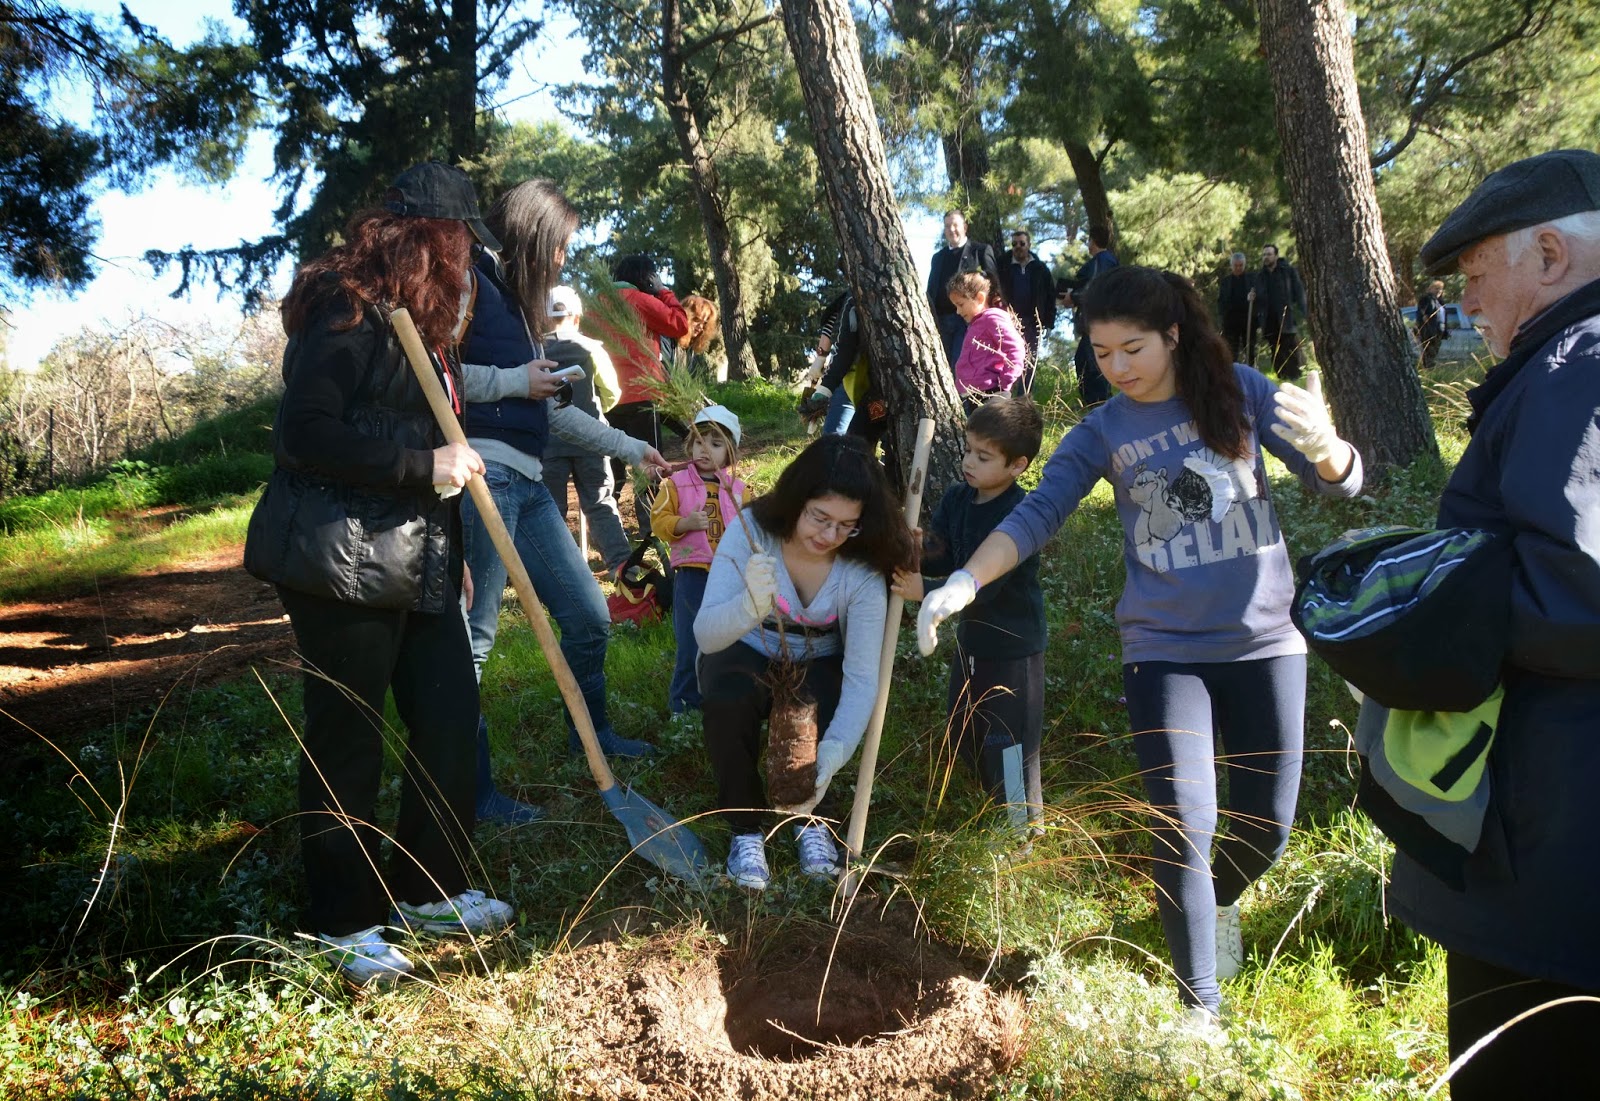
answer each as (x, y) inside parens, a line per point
(664, 320)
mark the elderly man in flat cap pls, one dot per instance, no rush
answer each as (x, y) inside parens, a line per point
(1523, 929)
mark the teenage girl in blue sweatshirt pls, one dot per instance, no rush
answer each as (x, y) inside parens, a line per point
(1204, 616)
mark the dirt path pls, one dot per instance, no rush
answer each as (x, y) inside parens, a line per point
(83, 662)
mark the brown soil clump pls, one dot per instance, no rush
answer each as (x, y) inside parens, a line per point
(791, 747)
(900, 1018)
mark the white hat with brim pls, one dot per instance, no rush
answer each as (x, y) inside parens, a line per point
(721, 416)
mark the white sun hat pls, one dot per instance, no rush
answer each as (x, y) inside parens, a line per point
(722, 417)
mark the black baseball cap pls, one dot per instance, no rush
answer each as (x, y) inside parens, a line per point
(1524, 193)
(435, 190)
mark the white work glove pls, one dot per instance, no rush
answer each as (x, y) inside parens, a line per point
(958, 590)
(831, 757)
(815, 371)
(1304, 422)
(760, 585)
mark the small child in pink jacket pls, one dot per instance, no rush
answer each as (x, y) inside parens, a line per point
(992, 354)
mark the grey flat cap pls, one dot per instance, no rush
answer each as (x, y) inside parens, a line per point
(1524, 193)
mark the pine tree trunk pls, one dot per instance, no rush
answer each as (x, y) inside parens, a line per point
(708, 194)
(907, 359)
(1092, 189)
(462, 109)
(1370, 371)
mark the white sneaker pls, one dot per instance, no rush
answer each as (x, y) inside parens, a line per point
(747, 861)
(468, 912)
(819, 856)
(1230, 942)
(365, 957)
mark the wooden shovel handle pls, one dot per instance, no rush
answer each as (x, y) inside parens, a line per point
(856, 835)
(411, 341)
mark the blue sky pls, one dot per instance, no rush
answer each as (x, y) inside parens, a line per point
(168, 212)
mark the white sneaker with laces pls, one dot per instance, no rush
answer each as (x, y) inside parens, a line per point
(468, 912)
(1230, 942)
(365, 957)
(747, 861)
(819, 856)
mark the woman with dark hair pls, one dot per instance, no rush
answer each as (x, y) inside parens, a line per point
(1204, 616)
(359, 530)
(536, 222)
(806, 579)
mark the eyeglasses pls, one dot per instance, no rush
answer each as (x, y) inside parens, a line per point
(832, 528)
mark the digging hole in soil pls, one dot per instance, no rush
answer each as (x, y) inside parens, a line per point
(796, 1002)
(902, 1018)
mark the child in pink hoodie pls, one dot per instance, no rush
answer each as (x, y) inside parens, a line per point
(992, 354)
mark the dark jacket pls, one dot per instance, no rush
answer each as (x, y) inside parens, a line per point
(1279, 296)
(1430, 316)
(1098, 264)
(1006, 619)
(350, 512)
(1038, 305)
(1532, 893)
(499, 337)
(950, 262)
(1233, 302)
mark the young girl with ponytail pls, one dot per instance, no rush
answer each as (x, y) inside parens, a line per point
(1207, 647)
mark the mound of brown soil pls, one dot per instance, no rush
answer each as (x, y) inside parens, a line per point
(806, 1011)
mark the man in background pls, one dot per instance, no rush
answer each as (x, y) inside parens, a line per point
(1092, 385)
(1234, 298)
(1280, 296)
(1430, 321)
(958, 255)
(1032, 294)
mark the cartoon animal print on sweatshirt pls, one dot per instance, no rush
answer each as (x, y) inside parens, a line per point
(1213, 508)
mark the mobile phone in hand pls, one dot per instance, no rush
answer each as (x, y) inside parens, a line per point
(569, 374)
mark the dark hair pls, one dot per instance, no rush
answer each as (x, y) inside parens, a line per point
(534, 222)
(389, 260)
(1273, 247)
(1100, 235)
(969, 284)
(638, 270)
(842, 466)
(1013, 425)
(1202, 362)
(956, 210)
(1024, 234)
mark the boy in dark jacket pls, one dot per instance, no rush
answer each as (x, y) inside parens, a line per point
(996, 694)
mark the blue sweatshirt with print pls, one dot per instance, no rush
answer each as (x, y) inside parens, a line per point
(1208, 575)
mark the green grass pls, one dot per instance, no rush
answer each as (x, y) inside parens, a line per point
(184, 977)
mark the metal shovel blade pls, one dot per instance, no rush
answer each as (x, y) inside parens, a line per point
(656, 835)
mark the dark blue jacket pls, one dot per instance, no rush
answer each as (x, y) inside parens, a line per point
(1532, 470)
(499, 336)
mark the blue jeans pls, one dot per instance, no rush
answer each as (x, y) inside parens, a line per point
(841, 410)
(1177, 711)
(560, 576)
(688, 591)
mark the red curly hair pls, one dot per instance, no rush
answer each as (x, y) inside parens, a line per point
(389, 260)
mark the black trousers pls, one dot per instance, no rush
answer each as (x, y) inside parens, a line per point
(736, 699)
(353, 656)
(1288, 361)
(1551, 1055)
(1000, 701)
(640, 420)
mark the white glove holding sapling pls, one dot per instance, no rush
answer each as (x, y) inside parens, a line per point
(831, 757)
(1304, 422)
(814, 373)
(958, 590)
(760, 585)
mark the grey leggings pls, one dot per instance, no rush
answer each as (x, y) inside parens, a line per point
(1177, 712)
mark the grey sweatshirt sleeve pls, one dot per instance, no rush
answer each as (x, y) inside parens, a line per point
(1078, 463)
(482, 383)
(863, 616)
(723, 619)
(577, 427)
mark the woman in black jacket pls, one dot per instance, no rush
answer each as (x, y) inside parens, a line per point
(360, 530)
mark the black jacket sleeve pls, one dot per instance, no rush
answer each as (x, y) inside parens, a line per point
(1044, 292)
(846, 347)
(986, 263)
(829, 322)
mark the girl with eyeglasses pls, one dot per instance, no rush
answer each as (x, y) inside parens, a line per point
(804, 575)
